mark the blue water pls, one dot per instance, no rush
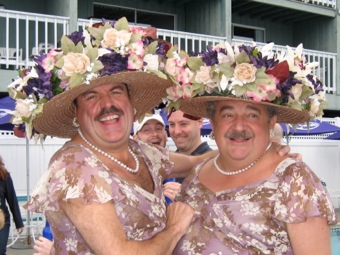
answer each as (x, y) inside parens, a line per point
(335, 240)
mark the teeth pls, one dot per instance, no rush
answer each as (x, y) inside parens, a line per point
(110, 117)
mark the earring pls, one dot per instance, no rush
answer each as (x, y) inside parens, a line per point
(134, 111)
(75, 123)
(211, 135)
(271, 133)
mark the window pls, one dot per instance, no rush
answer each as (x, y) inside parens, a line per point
(249, 33)
(140, 17)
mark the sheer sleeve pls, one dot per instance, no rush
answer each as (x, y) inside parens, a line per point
(301, 195)
(74, 172)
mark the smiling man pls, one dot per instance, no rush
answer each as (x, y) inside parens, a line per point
(151, 130)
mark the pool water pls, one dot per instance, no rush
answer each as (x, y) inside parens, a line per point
(335, 240)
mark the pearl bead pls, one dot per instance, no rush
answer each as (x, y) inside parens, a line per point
(112, 158)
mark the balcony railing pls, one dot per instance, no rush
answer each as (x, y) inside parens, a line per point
(26, 34)
(327, 3)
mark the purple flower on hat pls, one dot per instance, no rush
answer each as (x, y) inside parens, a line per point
(317, 84)
(209, 57)
(113, 63)
(39, 87)
(76, 37)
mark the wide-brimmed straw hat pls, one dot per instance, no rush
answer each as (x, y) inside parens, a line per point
(146, 91)
(105, 53)
(248, 73)
(198, 106)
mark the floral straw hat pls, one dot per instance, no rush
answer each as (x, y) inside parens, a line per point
(247, 73)
(101, 54)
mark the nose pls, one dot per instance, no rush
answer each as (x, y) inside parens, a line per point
(239, 123)
(106, 101)
(174, 130)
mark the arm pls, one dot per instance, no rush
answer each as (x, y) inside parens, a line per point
(13, 204)
(183, 164)
(102, 218)
(310, 237)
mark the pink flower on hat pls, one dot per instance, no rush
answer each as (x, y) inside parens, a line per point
(135, 62)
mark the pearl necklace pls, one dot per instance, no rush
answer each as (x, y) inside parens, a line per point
(112, 158)
(241, 170)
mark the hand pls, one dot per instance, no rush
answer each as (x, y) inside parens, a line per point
(42, 246)
(285, 149)
(179, 216)
(19, 230)
(171, 189)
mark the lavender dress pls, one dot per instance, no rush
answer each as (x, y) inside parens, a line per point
(75, 172)
(252, 219)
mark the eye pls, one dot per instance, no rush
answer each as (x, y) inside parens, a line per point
(227, 115)
(90, 97)
(116, 92)
(253, 115)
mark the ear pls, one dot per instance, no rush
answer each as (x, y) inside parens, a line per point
(200, 122)
(211, 124)
(272, 122)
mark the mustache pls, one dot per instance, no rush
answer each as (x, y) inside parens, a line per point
(239, 135)
(110, 110)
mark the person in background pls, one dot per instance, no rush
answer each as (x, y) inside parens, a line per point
(247, 199)
(185, 131)
(151, 130)
(8, 194)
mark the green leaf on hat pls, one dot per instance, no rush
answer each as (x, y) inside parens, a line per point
(67, 45)
(122, 24)
(76, 79)
(170, 53)
(240, 90)
(97, 65)
(195, 63)
(226, 69)
(242, 58)
(151, 48)
(92, 54)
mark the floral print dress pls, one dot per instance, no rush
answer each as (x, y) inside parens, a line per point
(75, 172)
(252, 219)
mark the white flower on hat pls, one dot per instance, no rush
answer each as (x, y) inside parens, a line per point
(244, 73)
(75, 63)
(115, 39)
(152, 62)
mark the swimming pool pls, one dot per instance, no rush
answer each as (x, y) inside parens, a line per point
(335, 240)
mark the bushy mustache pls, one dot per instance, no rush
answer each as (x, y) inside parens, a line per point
(236, 135)
(110, 110)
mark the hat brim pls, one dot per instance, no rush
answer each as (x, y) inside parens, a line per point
(146, 91)
(197, 107)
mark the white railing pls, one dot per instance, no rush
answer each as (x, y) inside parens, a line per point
(331, 3)
(26, 34)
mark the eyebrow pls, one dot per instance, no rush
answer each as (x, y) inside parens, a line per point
(248, 107)
(118, 86)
